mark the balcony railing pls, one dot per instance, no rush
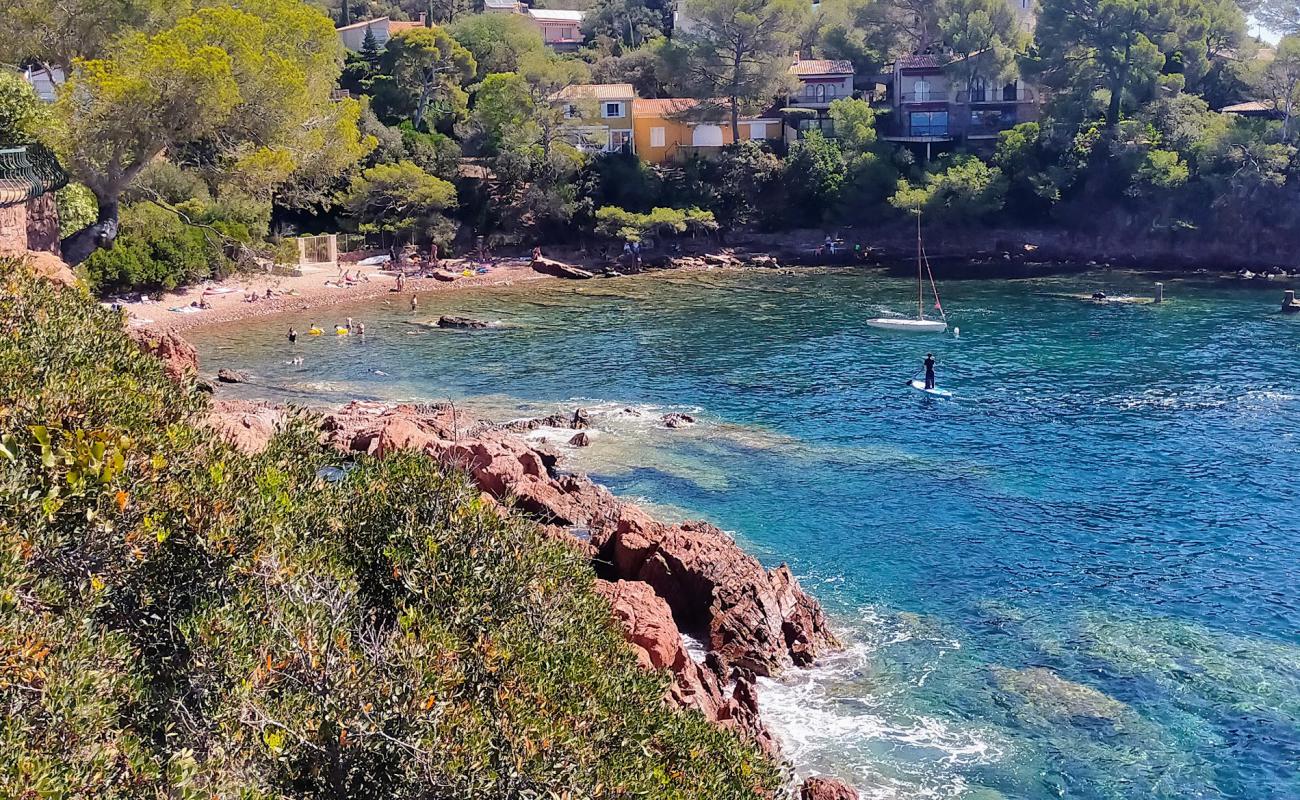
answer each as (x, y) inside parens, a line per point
(27, 172)
(964, 97)
(1004, 95)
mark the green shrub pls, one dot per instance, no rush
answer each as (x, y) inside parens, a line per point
(154, 250)
(181, 620)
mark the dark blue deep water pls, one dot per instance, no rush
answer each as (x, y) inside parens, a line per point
(1079, 578)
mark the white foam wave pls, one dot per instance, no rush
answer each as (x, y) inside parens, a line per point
(838, 718)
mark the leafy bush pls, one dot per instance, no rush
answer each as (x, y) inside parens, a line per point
(155, 250)
(181, 620)
(22, 114)
(618, 223)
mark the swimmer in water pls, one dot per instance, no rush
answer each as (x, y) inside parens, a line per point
(293, 335)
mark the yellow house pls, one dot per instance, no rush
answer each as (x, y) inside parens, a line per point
(662, 133)
(602, 113)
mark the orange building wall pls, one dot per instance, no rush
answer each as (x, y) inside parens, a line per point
(678, 135)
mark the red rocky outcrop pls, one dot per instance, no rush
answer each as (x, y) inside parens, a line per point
(818, 788)
(648, 626)
(178, 356)
(248, 425)
(755, 619)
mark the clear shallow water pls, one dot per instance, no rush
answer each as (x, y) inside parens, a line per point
(1077, 579)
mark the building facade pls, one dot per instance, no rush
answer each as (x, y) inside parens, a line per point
(664, 130)
(602, 115)
(937, 100)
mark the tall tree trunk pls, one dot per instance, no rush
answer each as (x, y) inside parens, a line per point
(79, 246)
(1117, 90)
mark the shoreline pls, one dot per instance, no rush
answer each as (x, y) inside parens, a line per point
(307, 292)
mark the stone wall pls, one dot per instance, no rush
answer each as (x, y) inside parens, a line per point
(13, 227)
(43, 224)
(31, 226)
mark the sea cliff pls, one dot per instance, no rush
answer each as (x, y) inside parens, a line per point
(661, 580)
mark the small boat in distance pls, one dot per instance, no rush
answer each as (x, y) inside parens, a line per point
(920, 324)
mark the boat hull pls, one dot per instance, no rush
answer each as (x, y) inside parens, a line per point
(909, 325)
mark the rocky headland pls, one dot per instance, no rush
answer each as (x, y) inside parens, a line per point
(662, 580)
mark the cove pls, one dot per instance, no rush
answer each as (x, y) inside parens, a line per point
(1077, 578)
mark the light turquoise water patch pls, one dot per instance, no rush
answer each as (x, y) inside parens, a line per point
(1103, 516)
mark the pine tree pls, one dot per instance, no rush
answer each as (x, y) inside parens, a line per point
(370, 48)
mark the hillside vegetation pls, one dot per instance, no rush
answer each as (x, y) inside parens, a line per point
(181, 620)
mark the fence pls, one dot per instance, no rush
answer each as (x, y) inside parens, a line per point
(318, 249)
(27, 172)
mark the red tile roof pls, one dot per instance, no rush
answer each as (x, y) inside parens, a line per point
(664, 106)
(924, 61)
(821, 66)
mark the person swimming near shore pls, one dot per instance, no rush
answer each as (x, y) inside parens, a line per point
(929, 370)
(293, 335)
(413, 303)
(314, 330)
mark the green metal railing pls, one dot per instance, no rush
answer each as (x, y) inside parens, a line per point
(27, 172)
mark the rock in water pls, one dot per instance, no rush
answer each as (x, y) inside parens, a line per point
(757, 620)
(581, 419)
(676, 420)
(549, 266)
(580, 440)
(460, 322)
(648, 626)
(231, 376)
(178, 356)
(818, 788)
(1054, 697)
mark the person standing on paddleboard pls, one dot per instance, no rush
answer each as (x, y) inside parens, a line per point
(929, 370)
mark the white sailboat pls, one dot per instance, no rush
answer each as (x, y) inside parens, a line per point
(920, 324)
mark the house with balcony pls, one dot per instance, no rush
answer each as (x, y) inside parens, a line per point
(820, 82)
(938, 100)
(600, 114)
(673, 129)
(561, 29)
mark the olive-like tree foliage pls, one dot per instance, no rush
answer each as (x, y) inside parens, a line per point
(498, 42)
(423, 73)
(243, 85)
(401, 199)
(179, 619)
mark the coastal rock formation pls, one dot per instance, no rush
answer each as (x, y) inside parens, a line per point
(676, 420)
(549, 266)
(754, 619)
(245, 424)
(231, 376)
(447, 321)
(580, 440)
(648, 626)
(819, 788)
(178, 356)
(662, 578)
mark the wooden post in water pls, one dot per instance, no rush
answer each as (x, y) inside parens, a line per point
(1160, 292)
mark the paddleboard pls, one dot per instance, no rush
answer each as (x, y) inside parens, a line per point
(936, 392)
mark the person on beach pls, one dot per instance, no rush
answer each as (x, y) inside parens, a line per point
(537, 253)
(433, 255)
(293, 336)
(929, 370)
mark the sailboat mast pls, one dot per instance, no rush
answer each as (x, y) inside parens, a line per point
(920, 312)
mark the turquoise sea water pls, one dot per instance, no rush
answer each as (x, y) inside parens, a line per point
(1079, 578)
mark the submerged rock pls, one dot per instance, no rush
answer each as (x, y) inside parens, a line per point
(676, 420)
(580, 440)
(447, 321)
(1055, 697)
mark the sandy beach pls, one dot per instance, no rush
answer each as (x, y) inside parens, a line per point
(311, 290)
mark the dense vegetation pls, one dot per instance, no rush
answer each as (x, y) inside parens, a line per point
(1129, 140)
(180, 620)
